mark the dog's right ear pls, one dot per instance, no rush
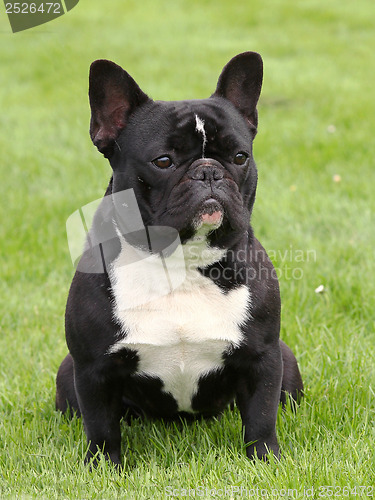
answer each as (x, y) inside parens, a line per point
(114, 96)
(240, 82)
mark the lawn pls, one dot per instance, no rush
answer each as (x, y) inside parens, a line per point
(314, 214)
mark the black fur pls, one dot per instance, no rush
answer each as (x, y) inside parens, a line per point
(132, 131)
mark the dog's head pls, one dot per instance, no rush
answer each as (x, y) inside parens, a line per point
(190, 163)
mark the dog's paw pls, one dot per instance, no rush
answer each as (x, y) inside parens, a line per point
(262, 451)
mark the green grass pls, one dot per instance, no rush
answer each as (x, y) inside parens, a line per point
(318, 73)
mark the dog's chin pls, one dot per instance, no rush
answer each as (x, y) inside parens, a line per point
(209, 216)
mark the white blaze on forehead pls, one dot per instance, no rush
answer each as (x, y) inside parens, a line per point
(199, 127)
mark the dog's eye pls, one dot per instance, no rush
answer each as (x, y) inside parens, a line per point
(241, 158)
(163, 162)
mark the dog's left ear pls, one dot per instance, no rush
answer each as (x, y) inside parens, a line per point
(241, 82)
(114, 96)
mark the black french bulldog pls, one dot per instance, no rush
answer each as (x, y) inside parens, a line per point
(183, 315)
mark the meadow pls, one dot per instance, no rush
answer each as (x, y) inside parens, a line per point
(314, 214)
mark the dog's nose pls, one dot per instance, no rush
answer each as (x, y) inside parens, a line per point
(206, 170)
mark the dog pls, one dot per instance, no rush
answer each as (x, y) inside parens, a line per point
(174, 308)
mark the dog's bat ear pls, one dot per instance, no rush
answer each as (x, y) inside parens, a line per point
(114, 96)
(241, 82)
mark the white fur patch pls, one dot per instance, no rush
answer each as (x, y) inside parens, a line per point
(199, 127)
(182, 334)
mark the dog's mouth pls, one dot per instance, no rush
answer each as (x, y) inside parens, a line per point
(209, 215)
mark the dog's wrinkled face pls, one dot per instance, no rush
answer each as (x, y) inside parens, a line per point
(190, 163)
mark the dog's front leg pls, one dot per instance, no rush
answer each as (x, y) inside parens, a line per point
(99, 400)
(258, 399)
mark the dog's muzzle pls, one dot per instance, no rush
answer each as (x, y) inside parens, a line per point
(210, 172)
(206, 170)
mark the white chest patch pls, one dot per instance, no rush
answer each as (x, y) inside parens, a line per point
(179, 335)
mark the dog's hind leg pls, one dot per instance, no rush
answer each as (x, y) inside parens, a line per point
(292, 384)
(65, 391)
